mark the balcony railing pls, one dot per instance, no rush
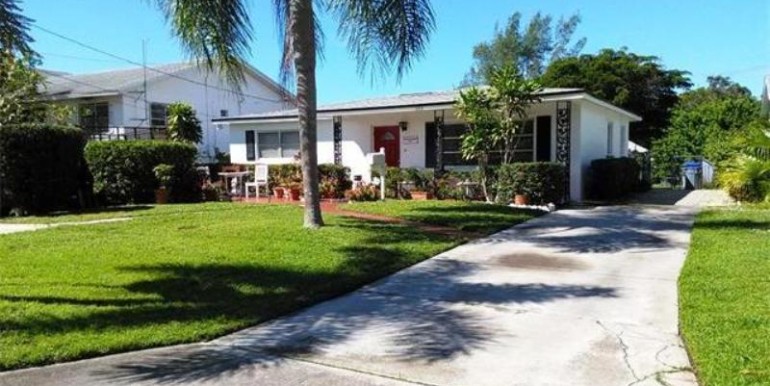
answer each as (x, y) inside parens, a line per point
(128, 133)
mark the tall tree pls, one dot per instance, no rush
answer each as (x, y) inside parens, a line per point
(707, 122)
(380, 33)
(530, 49)
(14, 29)
(638, 83)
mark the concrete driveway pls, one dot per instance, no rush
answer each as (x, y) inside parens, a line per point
(578, 297)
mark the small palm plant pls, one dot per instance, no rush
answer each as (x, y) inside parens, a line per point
(183, 124)
(746, 177)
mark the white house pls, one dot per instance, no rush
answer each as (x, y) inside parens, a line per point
(125, 103)
(421, 130)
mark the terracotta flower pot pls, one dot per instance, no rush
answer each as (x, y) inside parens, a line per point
(421, 196)
(294, 194)
(278, 193)
(521, 199)
(161, 196)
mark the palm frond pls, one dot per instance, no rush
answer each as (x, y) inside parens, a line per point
(14, 29)
(217, 33)
(383, 34)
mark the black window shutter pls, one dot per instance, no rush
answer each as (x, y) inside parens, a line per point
(251, 154)
(543, 138)
(430, 145)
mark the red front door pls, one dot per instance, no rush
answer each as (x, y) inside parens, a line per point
(388, 137)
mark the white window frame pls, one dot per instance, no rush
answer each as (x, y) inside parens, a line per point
(610, 138)
(280, 143)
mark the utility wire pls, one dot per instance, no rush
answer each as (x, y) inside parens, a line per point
(135, 63)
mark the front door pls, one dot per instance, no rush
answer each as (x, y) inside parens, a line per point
(387, 137)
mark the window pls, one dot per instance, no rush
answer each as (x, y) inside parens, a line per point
(451, 145)
(158, 114)
(610, 140)
(289, 144)
(224, 113)
(94, 117)
(250, 142)
(623, 140)
(277, 144)
(269, 145)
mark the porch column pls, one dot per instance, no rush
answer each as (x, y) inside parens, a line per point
(337, 120)
(563, 141)
(438, 121)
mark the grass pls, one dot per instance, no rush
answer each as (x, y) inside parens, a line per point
(725, 297)
(185, 273)
(465, 216)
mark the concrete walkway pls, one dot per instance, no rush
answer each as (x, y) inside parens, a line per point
(578, 297)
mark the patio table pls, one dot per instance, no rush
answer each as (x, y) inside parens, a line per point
(228, 177)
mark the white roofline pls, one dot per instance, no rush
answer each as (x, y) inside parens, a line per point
(596, 101)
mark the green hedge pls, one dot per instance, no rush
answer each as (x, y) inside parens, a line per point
(123, 170)
(613, 178)
(334, 179)
(41, 168)
(542, 182)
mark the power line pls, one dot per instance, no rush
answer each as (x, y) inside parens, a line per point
(133, 103)
(135, 63)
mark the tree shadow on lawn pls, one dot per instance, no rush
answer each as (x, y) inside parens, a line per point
(733, 224)
(423, 309)
(486, 218)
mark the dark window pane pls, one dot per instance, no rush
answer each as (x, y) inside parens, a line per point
(525, 156)
(544, 138)
(250, 150)
(453, 130)
(523, 143)
(269, 145)
(157, 114)
(289, 144)
(452, 144)
(430, 145)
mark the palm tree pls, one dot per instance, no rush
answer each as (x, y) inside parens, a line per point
(381, 34)
(14, 29)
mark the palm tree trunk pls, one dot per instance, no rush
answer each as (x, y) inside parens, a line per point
(302, 30)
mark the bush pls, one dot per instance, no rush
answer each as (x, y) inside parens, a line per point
(41, 168)
(363, 193)
(746, 179)
(123, 170)
(334, 179)
(613, 178)
(542, 182)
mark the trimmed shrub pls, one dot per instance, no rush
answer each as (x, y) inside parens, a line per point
(613, 178)
(123, 170)
(334, 179)
(543, 182)
(41, 168)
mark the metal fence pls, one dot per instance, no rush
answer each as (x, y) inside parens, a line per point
(129, 133)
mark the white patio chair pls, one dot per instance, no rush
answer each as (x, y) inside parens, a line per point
(260, 179)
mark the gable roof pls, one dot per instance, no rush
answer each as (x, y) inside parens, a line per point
(423, 100)
(60, 85)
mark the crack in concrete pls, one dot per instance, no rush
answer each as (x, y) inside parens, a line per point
(624, 347)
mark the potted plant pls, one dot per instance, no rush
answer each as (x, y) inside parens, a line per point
(520, 187)
(163, 174)
(278, 192)
(294, 190)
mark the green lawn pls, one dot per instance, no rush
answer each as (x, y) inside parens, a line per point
(465, 216)
(184, 273)
(725, 297)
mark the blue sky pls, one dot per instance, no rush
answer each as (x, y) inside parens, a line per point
(704, 37)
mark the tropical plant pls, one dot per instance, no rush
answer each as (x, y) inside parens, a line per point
(380, 33)
(746, 176)
(512, 95)
(530, 49)
(183, 124)
(474, 106)
(14, 30)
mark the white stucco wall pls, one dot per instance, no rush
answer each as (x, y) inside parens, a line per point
(207, 101)
(594, 120)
